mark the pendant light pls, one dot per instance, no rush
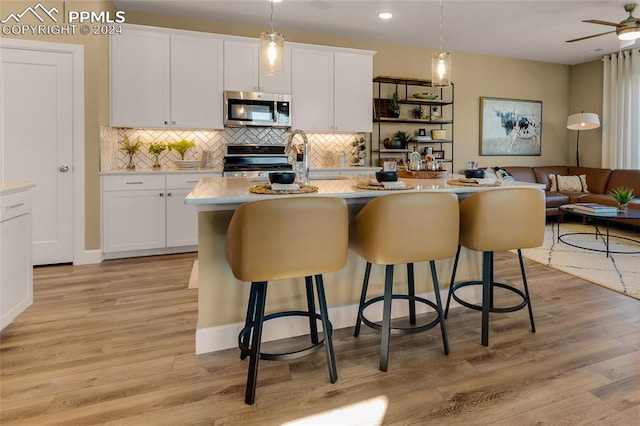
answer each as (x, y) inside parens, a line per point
(441, 61)
(271, 50)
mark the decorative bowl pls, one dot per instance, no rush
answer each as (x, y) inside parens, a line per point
(476, 173)
(282, 177)
(393, 143)
(427, 96)
(386, 176)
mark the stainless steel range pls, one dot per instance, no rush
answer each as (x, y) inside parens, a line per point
(254, 160)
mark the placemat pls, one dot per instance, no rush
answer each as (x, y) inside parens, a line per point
(261, 189)
(454, 182)
(382, 188)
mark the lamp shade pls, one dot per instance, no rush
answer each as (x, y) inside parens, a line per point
(271, 53)
(630, 33)
(583, 121)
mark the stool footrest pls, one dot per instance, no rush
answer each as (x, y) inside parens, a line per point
(491, 309)
(283, 356)
(401, 330)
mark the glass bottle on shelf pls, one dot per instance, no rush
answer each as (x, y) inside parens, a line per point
(415, 159)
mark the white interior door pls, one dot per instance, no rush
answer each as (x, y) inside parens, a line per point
(37, 143)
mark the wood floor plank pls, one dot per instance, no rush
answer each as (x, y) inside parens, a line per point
(114, 344)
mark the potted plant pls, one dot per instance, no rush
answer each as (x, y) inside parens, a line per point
(417, 112)
(181, 147)
(156, 149)
(403, 137)
(394, 106)
(622, 195)
(131, 149)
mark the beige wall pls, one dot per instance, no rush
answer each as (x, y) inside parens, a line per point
(474, 76)
(586, 95)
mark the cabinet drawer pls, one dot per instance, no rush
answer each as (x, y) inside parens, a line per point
(132, 182)
(184, 181)
(14, 205)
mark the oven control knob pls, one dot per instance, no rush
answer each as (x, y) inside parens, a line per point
(244, 174)
(260, 174)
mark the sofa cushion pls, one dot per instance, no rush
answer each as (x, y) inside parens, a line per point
(556, 199)
(568, 183)
(596, 178)
(521, 173)
(625, 177)
(542, 173)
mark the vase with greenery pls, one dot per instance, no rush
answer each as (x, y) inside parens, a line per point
(156, 149)
(131, 149)
(622, 195)
(417, 112)
(394, 106)
(181, 147)
(403, 137)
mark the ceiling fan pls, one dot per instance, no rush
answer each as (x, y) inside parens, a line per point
(628, 30)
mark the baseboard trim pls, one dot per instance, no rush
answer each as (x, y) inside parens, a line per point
(212, 339)
(88, 257)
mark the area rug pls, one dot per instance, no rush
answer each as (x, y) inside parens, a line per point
(193, 279)
(619, 272)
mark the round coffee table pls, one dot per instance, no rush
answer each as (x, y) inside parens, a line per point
(631, 214)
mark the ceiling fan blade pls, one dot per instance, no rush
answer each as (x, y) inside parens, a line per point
(591, 36)
(596, 21)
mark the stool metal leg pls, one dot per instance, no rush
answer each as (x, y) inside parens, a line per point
(363, 295)
(386, 318)
(486, 294)
(251, 310)
(491, 281)
(453, 279)
(328, 330)
(254, 354)
(526, 291)
(311, 307)
(412, 294)
(436, 290)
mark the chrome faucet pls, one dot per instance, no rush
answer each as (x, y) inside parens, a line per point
(306, 151)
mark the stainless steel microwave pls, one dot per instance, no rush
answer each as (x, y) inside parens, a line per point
(257, 109)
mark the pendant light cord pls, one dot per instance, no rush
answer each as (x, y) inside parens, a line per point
(441, 18)
(271, 2)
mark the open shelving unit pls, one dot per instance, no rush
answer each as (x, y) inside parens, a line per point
(440, 117)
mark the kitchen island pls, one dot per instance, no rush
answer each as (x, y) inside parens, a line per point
(222, 299)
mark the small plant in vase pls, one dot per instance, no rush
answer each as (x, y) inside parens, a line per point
(403, 137)
(417, 112)
(622, 195)
(181, 147)
(156, 148)
(131, 149)
(394, 105)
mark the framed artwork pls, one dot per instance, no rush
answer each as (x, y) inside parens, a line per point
(510, 126)
(438, 155)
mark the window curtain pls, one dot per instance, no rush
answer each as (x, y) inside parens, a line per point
(621, 110)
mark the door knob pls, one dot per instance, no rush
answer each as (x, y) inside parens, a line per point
(64, 169)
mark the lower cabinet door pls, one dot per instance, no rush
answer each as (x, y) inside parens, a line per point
(182, 219)
(133, 220)
(16, 270)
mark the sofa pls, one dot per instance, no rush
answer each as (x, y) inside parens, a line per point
(599, 182)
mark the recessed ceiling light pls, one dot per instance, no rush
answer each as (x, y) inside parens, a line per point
(384, 15)
(276, 1)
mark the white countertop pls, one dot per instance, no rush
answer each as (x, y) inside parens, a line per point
(217, 193)
(10, 188)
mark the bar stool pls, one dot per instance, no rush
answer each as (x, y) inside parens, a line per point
(404, 228)
(286, 238)
(504, 219)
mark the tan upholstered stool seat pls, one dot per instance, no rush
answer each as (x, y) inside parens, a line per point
(286, 238)
(493, 220)
(398, 229)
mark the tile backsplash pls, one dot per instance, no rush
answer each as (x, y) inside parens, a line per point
(214, 140)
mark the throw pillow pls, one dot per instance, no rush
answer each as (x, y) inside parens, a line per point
(489, 173)
(503, 174)
(576, 183)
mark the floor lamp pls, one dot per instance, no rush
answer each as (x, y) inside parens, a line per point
(582, 121)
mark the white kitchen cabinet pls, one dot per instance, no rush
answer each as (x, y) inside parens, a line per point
(133, 213)
(166, 79)
(242, 68)
(331, 89)
(182, 219)
(16, 269)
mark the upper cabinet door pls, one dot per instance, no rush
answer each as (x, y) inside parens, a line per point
(196, 82)
(352, 90)
(241, 65)
(312, 89)
(140, 79)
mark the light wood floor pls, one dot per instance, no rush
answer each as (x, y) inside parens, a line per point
(114, 344)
